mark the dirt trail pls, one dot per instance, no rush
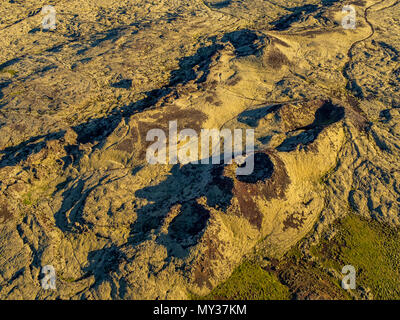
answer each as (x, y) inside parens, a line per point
(349, 53)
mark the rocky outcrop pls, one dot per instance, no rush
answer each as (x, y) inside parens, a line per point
(76, 190)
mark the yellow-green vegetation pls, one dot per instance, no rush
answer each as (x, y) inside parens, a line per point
(27, 199)
(67, 279)
(9, 71)
(16, 93)
(250, 282)
(78, 106)
(372, 248)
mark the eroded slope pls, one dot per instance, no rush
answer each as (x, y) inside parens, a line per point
(76, 191)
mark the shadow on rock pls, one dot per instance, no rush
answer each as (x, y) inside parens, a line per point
(177, 197)
(252, 117)
(326, 115)
(244, 42)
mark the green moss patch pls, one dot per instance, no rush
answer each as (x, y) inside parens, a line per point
(250, 282)
(372, 248)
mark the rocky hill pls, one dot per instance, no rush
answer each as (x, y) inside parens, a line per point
(76, 103)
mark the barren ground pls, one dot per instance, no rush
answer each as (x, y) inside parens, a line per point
(76, 103)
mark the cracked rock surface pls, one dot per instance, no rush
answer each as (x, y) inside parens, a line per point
(76, 103)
